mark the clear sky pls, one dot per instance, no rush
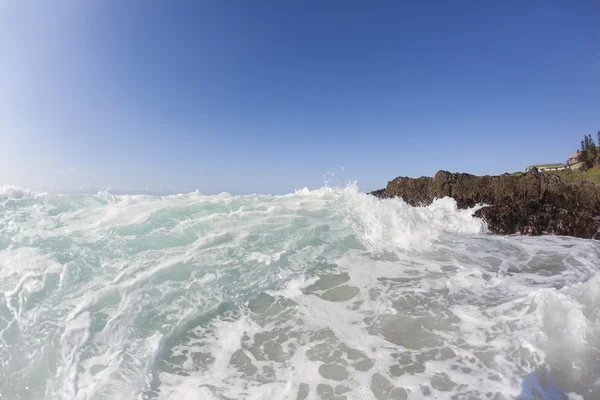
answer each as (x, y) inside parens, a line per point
(271, 96)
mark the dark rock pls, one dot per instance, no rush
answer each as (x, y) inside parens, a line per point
(530, 204)
(379, 193)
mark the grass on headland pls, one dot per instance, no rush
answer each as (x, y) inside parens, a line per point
(572, 176)
(576, 176)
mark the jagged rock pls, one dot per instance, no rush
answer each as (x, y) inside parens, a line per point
(532, 203)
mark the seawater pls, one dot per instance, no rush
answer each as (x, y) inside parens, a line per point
(324, 294)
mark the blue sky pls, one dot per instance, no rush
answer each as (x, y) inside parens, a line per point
(271, 96)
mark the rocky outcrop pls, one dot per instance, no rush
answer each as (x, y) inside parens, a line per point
(532, 203)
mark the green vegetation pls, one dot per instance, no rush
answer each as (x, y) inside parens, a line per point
(589, 154)
(589, 157)
(576, 176)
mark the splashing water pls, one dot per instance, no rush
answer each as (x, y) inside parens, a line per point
(326, 294)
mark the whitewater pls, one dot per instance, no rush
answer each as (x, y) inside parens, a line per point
(323, 294)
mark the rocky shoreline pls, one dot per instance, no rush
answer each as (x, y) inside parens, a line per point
(530, 204)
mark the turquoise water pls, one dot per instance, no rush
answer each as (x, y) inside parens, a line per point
(326, 294)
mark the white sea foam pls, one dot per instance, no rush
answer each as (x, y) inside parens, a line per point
(322, 294)
(15, 192)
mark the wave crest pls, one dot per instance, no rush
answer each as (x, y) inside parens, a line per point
(391, 224)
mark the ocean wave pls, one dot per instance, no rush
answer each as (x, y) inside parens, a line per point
(314, 294)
